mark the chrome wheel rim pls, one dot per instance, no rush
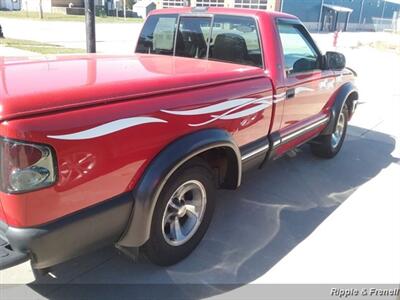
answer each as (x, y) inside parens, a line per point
(337, 135)
(184, 212)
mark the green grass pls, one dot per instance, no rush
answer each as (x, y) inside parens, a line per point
(38, 47)
(62, 17)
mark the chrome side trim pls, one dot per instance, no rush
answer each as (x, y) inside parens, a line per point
(255, 152)
(276, 143)
(304, 129)
(286, 138)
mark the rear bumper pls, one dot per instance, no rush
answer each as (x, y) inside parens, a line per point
(10, 257)
(68, 237)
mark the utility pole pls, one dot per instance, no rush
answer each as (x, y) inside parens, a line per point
(90, 26)
(361, 14)
(383, 13)
(125, 9)
(320, 15)
(27, 9)
(41, 9)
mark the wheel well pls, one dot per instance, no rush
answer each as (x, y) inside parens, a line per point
(224, 164)
(350, 103)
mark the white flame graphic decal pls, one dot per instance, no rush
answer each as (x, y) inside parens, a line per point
(107, 128)
(232, 110)
(232, 106)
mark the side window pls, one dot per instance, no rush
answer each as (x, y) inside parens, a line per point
(232, 39)
(192, 37)
(158, 35)
(299, 54)
(235, 39)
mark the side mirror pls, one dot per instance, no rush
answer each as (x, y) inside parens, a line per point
(335, 60)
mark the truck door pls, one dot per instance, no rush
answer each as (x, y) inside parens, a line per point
(307, 86)
(235, 39)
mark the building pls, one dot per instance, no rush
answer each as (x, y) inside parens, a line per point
(49, 6)
(10, 4)
(143, 7)
(255, 4)
(327, 15)
(361, 14)
(322, 15)
(60, 6)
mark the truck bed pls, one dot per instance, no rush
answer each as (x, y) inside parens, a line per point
(40, 86)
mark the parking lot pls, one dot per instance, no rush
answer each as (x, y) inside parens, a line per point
(299, 220)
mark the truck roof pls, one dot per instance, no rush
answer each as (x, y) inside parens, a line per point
(223, 11)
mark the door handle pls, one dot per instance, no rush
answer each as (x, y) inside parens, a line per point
(290, 93)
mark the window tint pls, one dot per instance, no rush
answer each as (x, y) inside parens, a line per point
(235, 39)
(158, 35)
(192, 37)
(299, 54)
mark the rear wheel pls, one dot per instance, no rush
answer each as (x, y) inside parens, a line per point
(327, 146)
(182, 214)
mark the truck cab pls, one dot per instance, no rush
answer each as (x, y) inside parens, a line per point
(296, 70)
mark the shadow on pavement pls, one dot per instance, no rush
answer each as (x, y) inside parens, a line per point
(253, 229)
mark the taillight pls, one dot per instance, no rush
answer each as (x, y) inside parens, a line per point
(25, 167)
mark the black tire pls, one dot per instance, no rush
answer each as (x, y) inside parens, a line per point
(326, 146)
(157, 249)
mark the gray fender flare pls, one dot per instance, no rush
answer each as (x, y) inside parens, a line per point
(148, 188)
(345, 91)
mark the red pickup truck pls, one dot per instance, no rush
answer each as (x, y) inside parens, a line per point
(128, 150)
